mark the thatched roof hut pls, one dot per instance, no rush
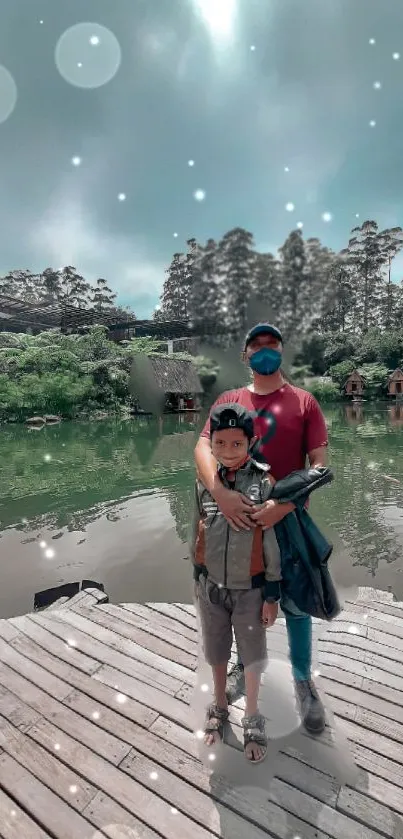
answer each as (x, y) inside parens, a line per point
(176, 376)
(395, 383)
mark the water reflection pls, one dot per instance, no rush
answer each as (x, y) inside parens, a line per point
(137, 475)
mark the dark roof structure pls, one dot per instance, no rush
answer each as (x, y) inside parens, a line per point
(174, 375)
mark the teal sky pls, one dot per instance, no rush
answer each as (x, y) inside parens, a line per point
(98, 124)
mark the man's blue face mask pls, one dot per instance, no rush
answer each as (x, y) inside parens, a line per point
(265, 361)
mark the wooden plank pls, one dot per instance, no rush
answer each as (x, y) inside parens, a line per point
(45, 680)
(15, 823)
(369, 812)
(157, 700)
(103, 653)
(33, 628)
(173, 611)
(384, 691)
(86, 597)
(96, 690)
(7, 630)
(16, 711)
(361, 669)
(366, 593)
(374, 659)
(68, 785)
(388, 641)
(124, 645)
(53, 814)
(150, 749)
(160, 627)
(377, 765)
(129, 625)
(159, 618)
(116, 822)
(394, 608)
(361, 698)
(375, 723)
(373, 688)
(373, 741)
(146, 805)
(366, 644)
(67, 719)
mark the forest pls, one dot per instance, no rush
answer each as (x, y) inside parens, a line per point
(339, 311)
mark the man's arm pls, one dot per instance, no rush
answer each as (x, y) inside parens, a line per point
(233, 505)
(318, 457)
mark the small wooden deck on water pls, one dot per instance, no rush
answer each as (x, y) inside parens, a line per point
(96, 732)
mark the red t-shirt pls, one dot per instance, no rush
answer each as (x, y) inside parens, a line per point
(288, 422)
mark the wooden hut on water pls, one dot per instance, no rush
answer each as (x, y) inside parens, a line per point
(354, 385)
(395, 383)
(179, 381)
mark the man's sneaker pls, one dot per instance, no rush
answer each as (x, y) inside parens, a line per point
(311, 707)
(235, 687)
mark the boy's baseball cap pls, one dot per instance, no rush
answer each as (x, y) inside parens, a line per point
(231, 415)
(263, 329)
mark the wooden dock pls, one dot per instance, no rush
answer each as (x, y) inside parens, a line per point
(97, 740)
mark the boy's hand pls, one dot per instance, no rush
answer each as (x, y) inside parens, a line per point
(235, 508)
(269, 613)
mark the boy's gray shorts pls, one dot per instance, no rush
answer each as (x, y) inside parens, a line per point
(222, 610)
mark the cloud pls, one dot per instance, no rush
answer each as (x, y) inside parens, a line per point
(68, 234)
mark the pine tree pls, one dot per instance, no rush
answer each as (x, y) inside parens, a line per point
(294, 284)
(336, 315)
(173, 298)
(267, 286)
(205, 303)
(236, 262)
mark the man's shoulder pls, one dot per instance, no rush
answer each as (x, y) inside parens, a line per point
(304, 397)
(234, 395)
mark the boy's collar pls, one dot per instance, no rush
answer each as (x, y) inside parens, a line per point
(247, 464)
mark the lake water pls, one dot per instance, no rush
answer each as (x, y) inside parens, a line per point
(111, 501)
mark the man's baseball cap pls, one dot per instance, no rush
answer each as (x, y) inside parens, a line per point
(231, 415)
(263, 329)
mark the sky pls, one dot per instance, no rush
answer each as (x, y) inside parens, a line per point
(130, 126)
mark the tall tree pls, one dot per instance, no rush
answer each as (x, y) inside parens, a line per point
(337, 311)
(236, 262)
(391, 243)
(173, 298)
(102, 297)
(365, 258)
(267, 284)
(207, 308)
(294, 285)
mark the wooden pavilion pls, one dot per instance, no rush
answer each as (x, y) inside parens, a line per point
(395, 383)
(354, 385)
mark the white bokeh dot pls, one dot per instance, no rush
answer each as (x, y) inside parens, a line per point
(372, 41)
(191, 163)
(290, 207)
(327, 217)
(175, 235)
(8, 94)
(396, 56)
(300, 225)
(199, 195)
(377, 85)
(49, 553)
(88, 55)
(372, 123)
(76, 161)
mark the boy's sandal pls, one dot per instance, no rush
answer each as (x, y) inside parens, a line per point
(254, 732)
(216, 718)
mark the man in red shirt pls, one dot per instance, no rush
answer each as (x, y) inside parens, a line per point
(290, 427)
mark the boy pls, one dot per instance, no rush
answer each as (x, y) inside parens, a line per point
(237, 577)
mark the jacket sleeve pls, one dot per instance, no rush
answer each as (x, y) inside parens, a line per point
(272, 561)
(194, 525)
(298, 486)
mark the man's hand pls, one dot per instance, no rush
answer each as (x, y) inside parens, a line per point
(235, 507)
(269, 613)
(268, 514)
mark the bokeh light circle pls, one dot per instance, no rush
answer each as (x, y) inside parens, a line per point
(8, 94)
(88, 55)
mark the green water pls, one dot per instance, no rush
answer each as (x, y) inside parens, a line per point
(112, 501)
